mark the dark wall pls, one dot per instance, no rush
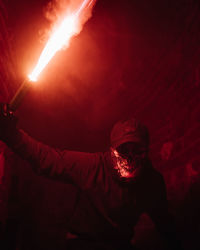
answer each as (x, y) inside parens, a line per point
(133, 58)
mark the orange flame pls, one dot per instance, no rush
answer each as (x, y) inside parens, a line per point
(60, 38)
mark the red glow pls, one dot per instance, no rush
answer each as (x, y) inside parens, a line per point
(60, 38)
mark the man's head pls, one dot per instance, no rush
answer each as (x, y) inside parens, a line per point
(129, 148)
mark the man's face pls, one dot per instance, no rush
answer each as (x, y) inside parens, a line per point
(129, 160)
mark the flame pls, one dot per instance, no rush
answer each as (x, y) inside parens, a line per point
(60, 38)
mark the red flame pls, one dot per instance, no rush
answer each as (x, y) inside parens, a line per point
(60, 38)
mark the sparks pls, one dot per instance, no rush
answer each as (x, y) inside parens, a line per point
(60, 38)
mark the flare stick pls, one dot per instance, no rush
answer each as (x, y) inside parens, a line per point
(20, 94)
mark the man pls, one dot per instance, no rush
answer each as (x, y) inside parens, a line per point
(116, 187)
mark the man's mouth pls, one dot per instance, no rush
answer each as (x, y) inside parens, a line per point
(129, 168)
(126, 170)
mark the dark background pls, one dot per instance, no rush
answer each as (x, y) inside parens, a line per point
(132, 58)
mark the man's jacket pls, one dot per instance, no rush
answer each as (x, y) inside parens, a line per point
(106, 209)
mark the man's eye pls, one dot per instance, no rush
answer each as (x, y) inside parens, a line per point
(125, 156)
(138, 153)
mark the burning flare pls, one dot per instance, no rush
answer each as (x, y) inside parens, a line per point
(60, 38)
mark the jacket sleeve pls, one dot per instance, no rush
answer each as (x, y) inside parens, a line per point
(68, 166)
(163, 220)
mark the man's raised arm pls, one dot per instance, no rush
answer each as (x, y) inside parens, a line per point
(69, 166)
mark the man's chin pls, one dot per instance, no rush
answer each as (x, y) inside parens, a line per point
(131, 176)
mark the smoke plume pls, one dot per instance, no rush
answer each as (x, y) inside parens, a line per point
(56, 10)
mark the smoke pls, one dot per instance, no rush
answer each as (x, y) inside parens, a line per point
(56, 10)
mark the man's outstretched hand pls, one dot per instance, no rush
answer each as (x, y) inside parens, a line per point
(8, 122)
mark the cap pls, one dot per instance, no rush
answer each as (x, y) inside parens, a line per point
(130, 130)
